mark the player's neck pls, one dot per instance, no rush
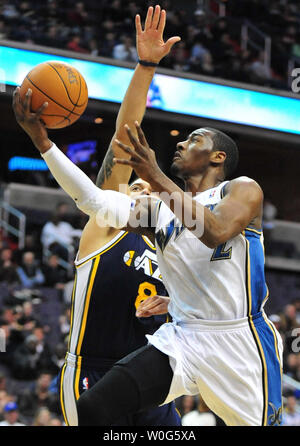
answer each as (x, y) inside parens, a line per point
(203, 182)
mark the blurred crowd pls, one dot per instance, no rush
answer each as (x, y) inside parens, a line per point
(210, 45)
(35, 294)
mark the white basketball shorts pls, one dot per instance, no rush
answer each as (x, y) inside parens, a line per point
(236, 366)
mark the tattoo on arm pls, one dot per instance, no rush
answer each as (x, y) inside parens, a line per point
(106, 168)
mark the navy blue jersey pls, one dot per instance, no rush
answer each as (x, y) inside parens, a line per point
(108, 287)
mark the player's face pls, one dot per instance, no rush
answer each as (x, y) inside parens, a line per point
(140, 187)
(192, 157)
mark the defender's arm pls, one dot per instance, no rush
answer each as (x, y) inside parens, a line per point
(151, 48)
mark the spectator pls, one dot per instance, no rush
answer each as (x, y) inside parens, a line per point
(8, 270)
(2, 381)
(269, 215)
(55, 422)
(42, 417)
(11, 415)
(198, 51)
(58, 236)
(64, 322)
(77, 15)
(126, 50)
(38, 396)
(51, 38)
(26, 360)
(27, 320)
(3, 30)
(290, 416)
(93, 47)
(289, 318)
(30, 274)
(74, 44)
(202, 416)
(4, 399)
(186, 404)
(258, 70)
(180, 55)
(108, 44)
(291, 366)
(55, 276)
(58, 357)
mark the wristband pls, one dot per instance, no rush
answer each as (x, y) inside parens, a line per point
(145, 63)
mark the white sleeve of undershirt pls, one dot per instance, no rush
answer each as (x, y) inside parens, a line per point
(110, 206)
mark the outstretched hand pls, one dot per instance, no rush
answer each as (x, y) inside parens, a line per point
(149, 41)
(142, 158)
(31, 121)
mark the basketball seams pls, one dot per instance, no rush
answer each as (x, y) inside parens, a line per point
(67, 91)
(59, 116)
(77, 100)
(53, 100)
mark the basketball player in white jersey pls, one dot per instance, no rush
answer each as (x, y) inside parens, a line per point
(220, 342)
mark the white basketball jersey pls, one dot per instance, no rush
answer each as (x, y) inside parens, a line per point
(224, 283)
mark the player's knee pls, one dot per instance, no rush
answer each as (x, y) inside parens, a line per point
(88, 413)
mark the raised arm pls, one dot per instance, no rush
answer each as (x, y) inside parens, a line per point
(151, 48)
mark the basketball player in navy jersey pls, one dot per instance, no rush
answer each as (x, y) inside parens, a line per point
(116, 270)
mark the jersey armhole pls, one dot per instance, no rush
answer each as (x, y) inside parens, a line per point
(156, 211)
(223, 190)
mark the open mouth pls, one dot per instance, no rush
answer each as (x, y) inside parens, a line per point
(176, 155)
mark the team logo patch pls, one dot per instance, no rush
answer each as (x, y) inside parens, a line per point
(276, 417)
(85, 383)
(147, 262)
(212, 194)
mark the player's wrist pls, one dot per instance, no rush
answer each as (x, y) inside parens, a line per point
(148, 63)
(43, 145)
(156, 179)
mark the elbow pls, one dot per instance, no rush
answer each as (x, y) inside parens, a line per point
(213, 240)
(210, 243)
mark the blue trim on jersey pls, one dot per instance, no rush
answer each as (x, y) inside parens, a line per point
(258, 287)
(269, 345)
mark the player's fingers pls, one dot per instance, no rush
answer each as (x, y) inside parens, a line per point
(160, 309)
(149, 304)
(143, 314)
(17, 105)
(136, 144)
(16, 99)
(125, 162)
(155, 311)
(27, 101)
(125, 148)
(148, 20)
(40, 110)
(156, 17)
(138, 25)
(162, 22)
(170, 42)
(141, 135)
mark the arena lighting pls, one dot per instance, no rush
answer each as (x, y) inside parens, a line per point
(23, 163)
(174, 132)
(168, 93)
(79, 152)
(98, 120)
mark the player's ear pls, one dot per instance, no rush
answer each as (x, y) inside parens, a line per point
(217, 157)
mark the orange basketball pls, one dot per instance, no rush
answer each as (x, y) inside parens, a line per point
(62, 86)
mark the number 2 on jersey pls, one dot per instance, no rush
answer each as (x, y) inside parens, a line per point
(221, 254)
